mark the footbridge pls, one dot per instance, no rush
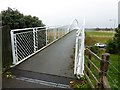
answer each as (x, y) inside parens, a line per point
(46, 56)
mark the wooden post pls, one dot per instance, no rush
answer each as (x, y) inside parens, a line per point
(104, 67)
(106, 58)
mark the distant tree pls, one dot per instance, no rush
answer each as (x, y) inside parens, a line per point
(15, 19)
(117, 39)
(111, 47)
(114, 45)
(0, 17)
(97, 29)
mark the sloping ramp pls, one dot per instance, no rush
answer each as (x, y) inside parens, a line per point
(57, 59)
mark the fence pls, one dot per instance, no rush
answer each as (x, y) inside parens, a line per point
(26, 42)
(79, 52)
(96, 74)
(113, 74)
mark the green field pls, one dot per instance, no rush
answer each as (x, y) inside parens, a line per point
(93, 37)
(100, 33)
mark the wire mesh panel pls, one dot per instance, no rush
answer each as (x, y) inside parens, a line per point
(60, 32)
(41, 38)
(26, 42)
(50, 35)
(56, 33)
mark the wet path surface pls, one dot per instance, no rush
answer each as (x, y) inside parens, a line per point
(41, 76)
(53, 64)
(55, 59)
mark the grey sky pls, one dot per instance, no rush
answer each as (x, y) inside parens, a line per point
(61, 12)
(119, 13)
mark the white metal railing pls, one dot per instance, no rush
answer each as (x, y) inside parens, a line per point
(26, 42)
(79, 52)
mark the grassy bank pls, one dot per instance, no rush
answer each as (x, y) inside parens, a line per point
(100, 33)
(114, 71)
(93, 37)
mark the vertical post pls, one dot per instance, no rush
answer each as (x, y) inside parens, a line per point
(83, 47)
(65, 30)
(48, 33)
(62, 32)
(34, 39)
(104, 66)
(46, 36)
(76, 55)
(14, 48)
(58, 33)
(54, 33)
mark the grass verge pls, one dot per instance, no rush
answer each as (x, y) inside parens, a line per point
(113, 74)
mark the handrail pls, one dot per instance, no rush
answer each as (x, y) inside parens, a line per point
(79, 52)
(28, 41)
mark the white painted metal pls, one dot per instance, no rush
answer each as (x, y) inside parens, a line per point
(24, 29)
(54, 30)
(26, 42)
(79, 51)
(13, 41)
(46, 37)
(34, 39)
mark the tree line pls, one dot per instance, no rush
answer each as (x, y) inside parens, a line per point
(13, 19)
(16, 20)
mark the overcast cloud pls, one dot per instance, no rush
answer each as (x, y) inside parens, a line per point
(61, 12)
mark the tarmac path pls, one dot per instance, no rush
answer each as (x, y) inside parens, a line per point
(53, 64)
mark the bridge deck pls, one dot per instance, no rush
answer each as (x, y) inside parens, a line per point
(52, 64)
(55, 59)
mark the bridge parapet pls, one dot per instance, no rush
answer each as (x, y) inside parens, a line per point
(79, 51)
(29, 41)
